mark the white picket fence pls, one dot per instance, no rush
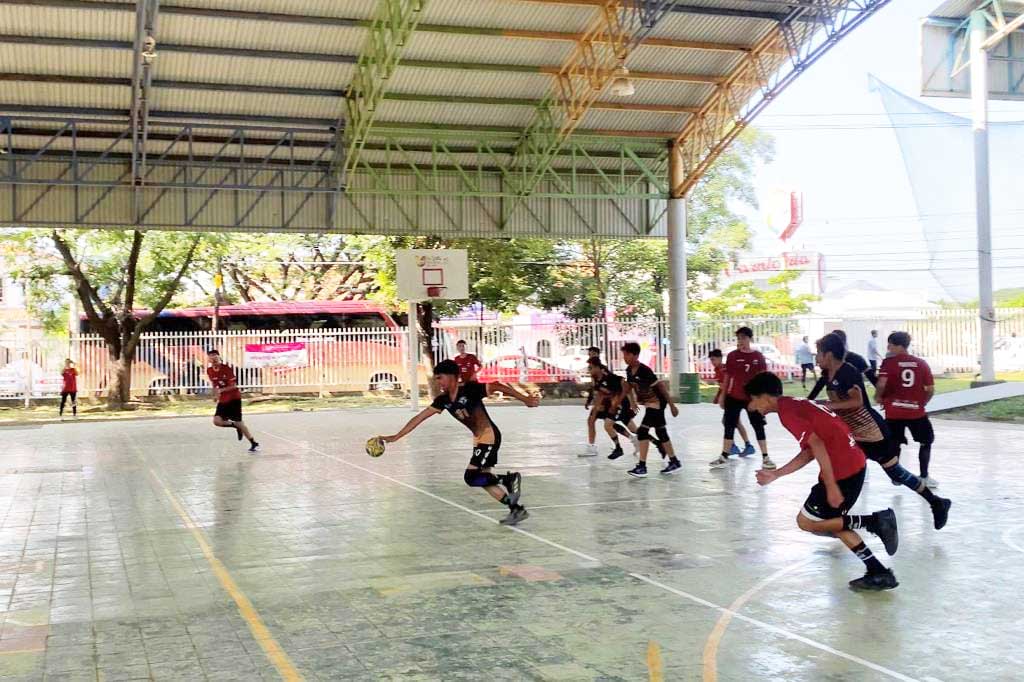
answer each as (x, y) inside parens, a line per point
(537, 351)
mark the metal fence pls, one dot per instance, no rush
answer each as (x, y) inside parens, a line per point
(543, 349)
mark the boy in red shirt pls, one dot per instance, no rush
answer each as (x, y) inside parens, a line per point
(69, 387)
(741, 365)
(229, 398)
(717, 363)
(468, 363)
(824, 437)
(905, 385)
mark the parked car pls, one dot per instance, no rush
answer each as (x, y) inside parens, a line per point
(508, 368)
(14, 374)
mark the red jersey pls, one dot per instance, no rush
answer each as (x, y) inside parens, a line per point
(468, 367)
(223, 376)
(802, 418)
(70, 376)
(906, 378)
(742, 367)
(719, 378)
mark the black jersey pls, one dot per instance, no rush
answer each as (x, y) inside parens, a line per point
(644, 380)
(858, 363)
(609, 387)
(468, 408)
(865, 423)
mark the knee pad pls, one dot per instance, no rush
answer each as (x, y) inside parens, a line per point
(643, 433)
(662, 434)
(900, 475)
(475, 478)
(620, 429)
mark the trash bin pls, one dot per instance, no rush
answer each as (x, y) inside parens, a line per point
(689, 388)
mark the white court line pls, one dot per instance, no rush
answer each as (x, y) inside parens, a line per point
(686, 595)
(596, 504)
(1008, 540)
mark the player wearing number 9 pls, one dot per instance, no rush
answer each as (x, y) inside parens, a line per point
(905, 386)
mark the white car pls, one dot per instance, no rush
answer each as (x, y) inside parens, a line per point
(13, 378)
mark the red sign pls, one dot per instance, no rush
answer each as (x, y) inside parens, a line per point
(787, 261)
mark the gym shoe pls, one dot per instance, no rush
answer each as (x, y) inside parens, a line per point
(616, 453)
(514, 485)
(735, 449)
(875, 582)
(940, 511)
(719, 462)
(674, 466)
(767, 463)
(515, 516)
(589, 451)
(748, 450)
(929, 481)
(639, 471)
(254, 447)
(887, 531)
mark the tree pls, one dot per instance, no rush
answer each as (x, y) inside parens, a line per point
(113, 274)
(747, 299)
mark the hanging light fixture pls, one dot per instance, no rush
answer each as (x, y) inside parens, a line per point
(622, 84)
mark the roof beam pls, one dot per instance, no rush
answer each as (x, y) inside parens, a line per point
(345, 22)
(690, 9)
(327, 92)
(338, 58)
(144, 52)
(393, 25)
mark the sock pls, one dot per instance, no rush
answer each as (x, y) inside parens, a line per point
(924, 456)
(864, 554)
(928, 495)
(253, 441)
(764, 455)
(504, 500)
(868, 522)
(616, 441)
(673, 459)
(746, 443)
(725, 455)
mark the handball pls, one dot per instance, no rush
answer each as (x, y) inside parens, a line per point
(375, 446)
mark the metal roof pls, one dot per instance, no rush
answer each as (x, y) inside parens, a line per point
(961, 9)
(270, 82)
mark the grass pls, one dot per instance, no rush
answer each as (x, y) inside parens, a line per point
(1007, 410)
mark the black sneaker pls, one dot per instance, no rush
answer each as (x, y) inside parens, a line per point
(514, 485)
(515, 516)
(887, 531)
(616, 453)
(940, 510)
(254, 447)
(639, 471)
(875, 582)
(674, 466)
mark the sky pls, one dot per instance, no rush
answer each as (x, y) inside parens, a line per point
(835, 144)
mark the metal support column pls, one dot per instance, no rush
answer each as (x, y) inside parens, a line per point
(979, 112)
(414, 359)
(679, 360)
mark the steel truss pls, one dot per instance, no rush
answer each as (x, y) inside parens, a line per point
(799, 40)
(1003, 22)
(210, 176)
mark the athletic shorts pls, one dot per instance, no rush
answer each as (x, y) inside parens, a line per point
(485, 455)
(624, 415)
(879, 451)
(231, 410)
(809, 366)
(731, 417)
(654, 417)
(920, 429)
(816, 506)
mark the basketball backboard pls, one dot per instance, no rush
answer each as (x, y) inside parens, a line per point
(943, 49)
(425, 274)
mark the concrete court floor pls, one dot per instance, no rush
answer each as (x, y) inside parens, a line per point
(159, 549)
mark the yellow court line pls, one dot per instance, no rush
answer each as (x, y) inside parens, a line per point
(260, 633)
(711, 645)
(655, 672)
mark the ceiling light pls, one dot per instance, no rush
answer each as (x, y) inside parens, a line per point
(622, 84)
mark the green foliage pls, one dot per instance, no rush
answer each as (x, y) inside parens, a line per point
(746, 299)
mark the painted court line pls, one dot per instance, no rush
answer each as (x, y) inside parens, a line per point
(679, 593)
(274, 653)
(598, 504)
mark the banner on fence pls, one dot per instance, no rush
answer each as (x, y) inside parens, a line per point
(276, 355)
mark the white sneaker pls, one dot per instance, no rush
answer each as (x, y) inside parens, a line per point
(767, 463)
(590, 451)
(930, 482)
(719, 462)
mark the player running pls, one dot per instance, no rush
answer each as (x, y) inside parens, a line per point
(650, 392)
(591, 449)
(468, 363)
(69, 388)
(741, 365)
(858, 362)
(228, 397)
(465, 402)
(824, 437)
(848, 398)
(905, 385)
(716, 362)
(613, 406)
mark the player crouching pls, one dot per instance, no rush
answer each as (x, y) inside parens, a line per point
(826, 438)
(465, 402)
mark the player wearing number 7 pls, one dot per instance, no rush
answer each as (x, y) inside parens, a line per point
(905, 385)
(465, 402)
(826, 438)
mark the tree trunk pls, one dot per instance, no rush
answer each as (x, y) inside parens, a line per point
(120, 391)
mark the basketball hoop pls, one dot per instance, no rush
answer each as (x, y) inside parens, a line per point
(435, 292)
